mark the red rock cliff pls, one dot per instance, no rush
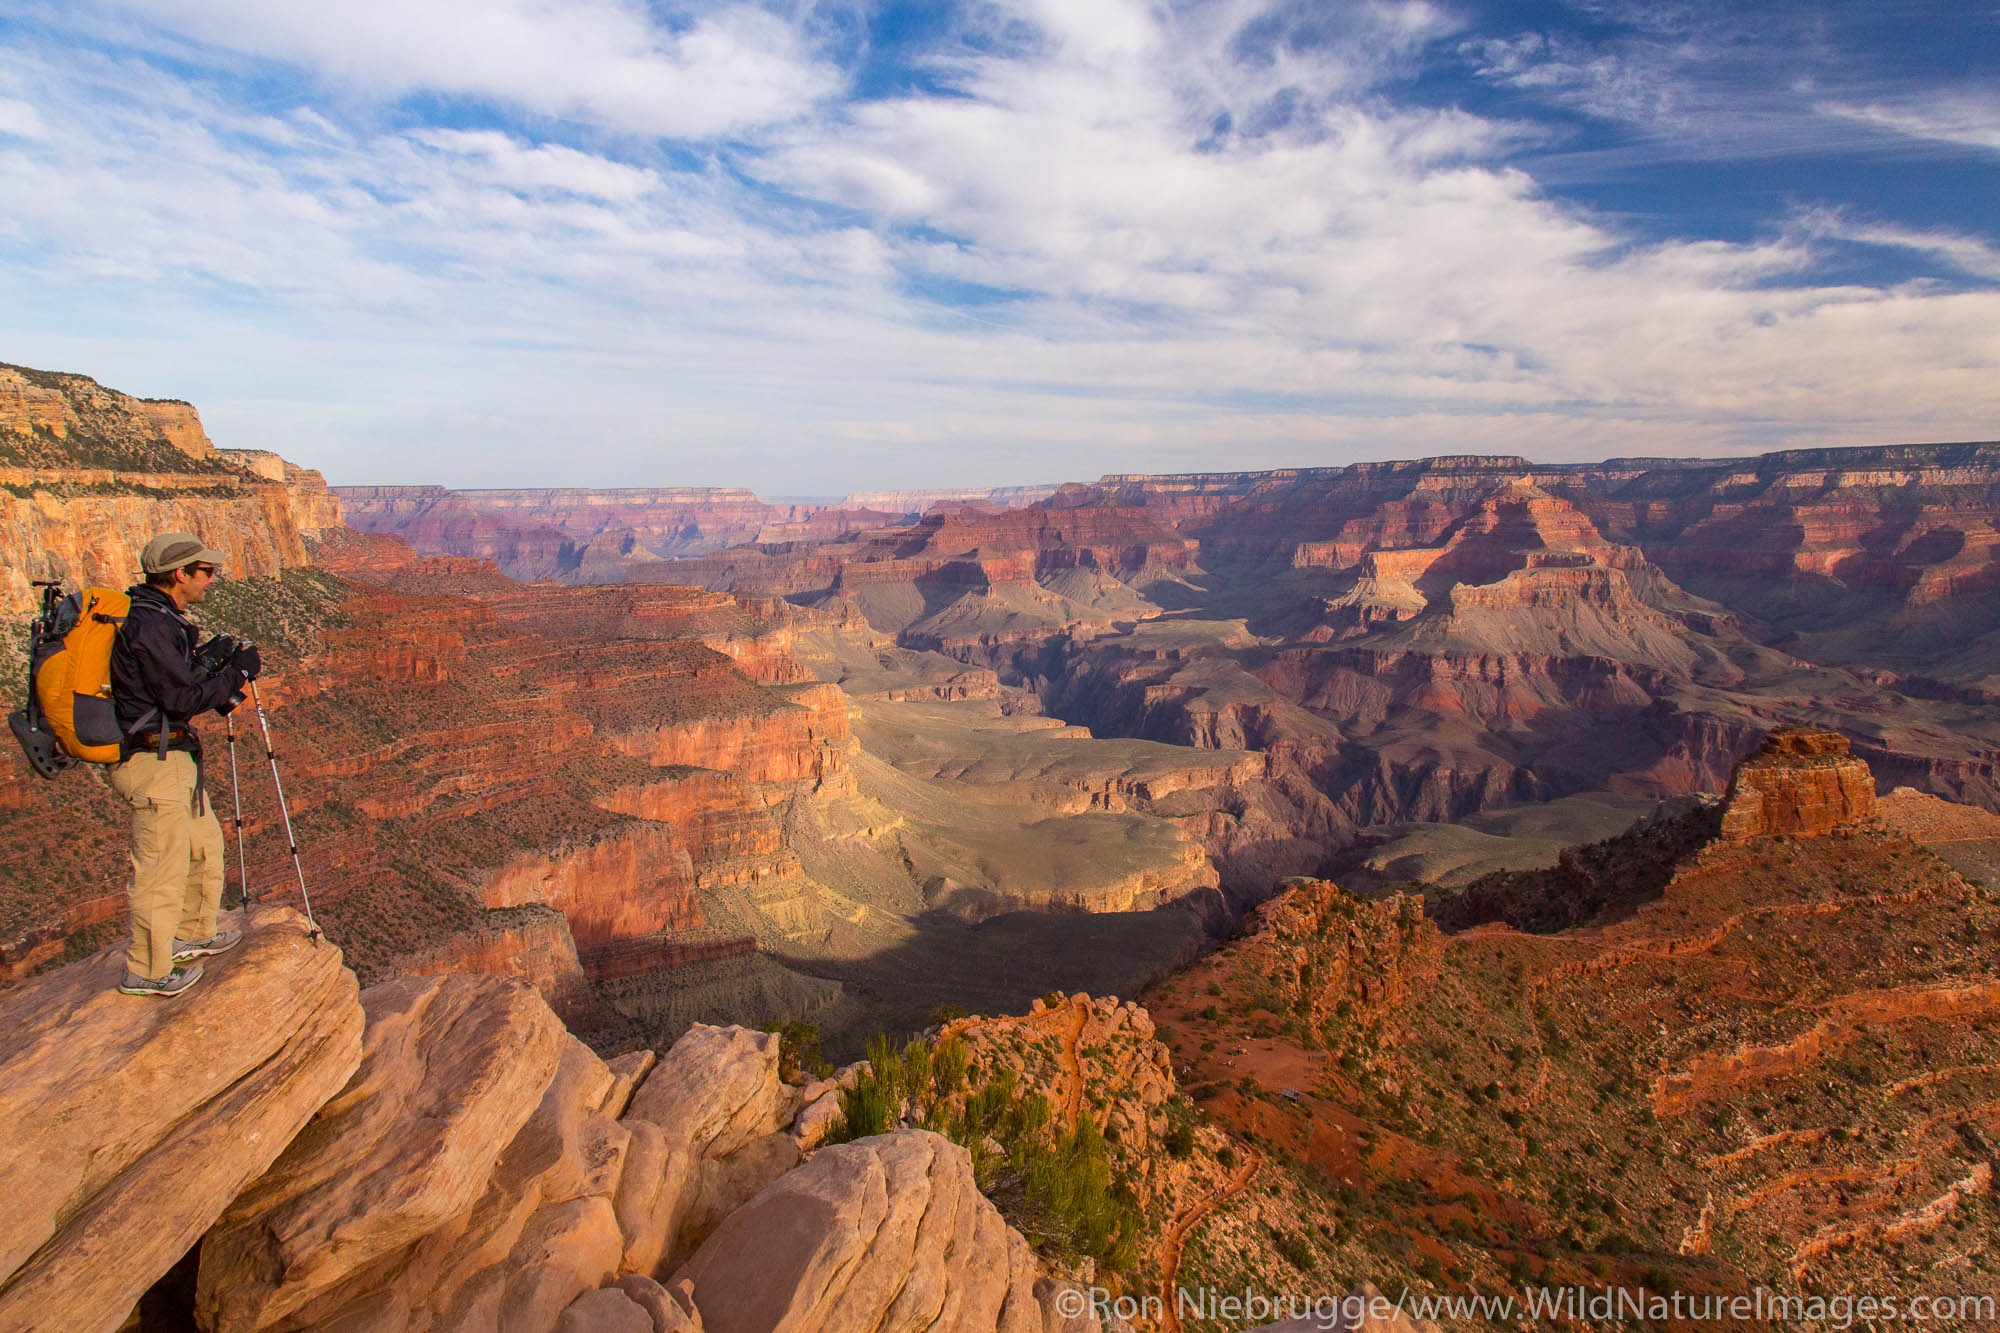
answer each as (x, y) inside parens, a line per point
(90, 475)
(1798, 783)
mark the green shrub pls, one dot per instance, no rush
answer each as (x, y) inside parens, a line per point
(1298, 1251)
(798, 1051)
(948, 1067)
(865, 1109)
(885, 1066)
(914, 1074)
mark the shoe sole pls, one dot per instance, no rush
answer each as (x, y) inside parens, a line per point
(156, 994)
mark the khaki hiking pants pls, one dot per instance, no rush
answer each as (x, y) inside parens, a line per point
(176, 858)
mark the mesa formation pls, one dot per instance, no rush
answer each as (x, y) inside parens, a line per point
(1014, 908)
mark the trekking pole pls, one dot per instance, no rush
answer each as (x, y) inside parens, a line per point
(236, 790)
(283, 810)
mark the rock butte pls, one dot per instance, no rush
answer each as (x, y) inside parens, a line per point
(1798, 782)
(1782, 1053)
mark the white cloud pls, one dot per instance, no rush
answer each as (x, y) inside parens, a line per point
(1640, 87)
(509, 162)
(1222, 244)
(1968, 254)
(602, 61)
(20, 120)
(1972, 122)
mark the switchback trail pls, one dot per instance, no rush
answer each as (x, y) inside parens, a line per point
(1073, 1065)
(1184, 1223)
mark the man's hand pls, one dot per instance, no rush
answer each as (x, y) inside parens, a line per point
(247, 661)
(215, 655)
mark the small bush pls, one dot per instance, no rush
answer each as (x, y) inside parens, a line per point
(798, 1051)
(865, 1109)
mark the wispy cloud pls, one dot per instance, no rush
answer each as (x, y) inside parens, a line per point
(19, 120)
(1969, 254)
(1099, 237)
(1969, 120)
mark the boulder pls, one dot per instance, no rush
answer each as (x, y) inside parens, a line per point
(133, 1122)
(717, 1089)
(606, 1310)
(672, 1310)
(474, 1175)
(712, 1095)
(628, 1071)
(453, 1071)
(566, 1249)
(728, 1182)
(652, 1195)
(816, 1120)
(880, 1235)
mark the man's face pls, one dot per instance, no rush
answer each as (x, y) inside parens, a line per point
(194, 583)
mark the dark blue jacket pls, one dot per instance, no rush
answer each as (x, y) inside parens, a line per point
(152, 671)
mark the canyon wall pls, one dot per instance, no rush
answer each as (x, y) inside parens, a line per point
(1434, 638)
(88, 476)
(593, 536)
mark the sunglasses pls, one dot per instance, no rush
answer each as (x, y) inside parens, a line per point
(202, 569)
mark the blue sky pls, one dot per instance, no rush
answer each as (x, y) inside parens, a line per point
(815, 247)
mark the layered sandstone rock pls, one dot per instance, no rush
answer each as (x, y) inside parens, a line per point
(650, 866)
(531, 943)
(92, 475)
(452, 1068)
(1799, 783)
(595, 536)
(883, 1235)
(484, 1170)
(134, 1122)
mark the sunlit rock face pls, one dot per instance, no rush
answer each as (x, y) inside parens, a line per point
(90, 475)
(1798, 782)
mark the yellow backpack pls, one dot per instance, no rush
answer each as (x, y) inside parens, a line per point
(69, 667)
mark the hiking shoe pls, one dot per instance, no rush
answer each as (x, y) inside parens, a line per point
(222, 941)
(172, 984)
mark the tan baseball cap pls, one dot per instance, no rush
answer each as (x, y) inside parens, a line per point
(177, 550)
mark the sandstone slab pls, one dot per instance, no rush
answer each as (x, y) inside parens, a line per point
(879, 1235)
(134, 1122)
(606, 1310)
(717, 1088)
(672, 1310)
(453, 1068)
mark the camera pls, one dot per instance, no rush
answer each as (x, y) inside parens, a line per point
(215, 656)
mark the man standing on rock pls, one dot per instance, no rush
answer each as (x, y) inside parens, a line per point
(176, 840)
